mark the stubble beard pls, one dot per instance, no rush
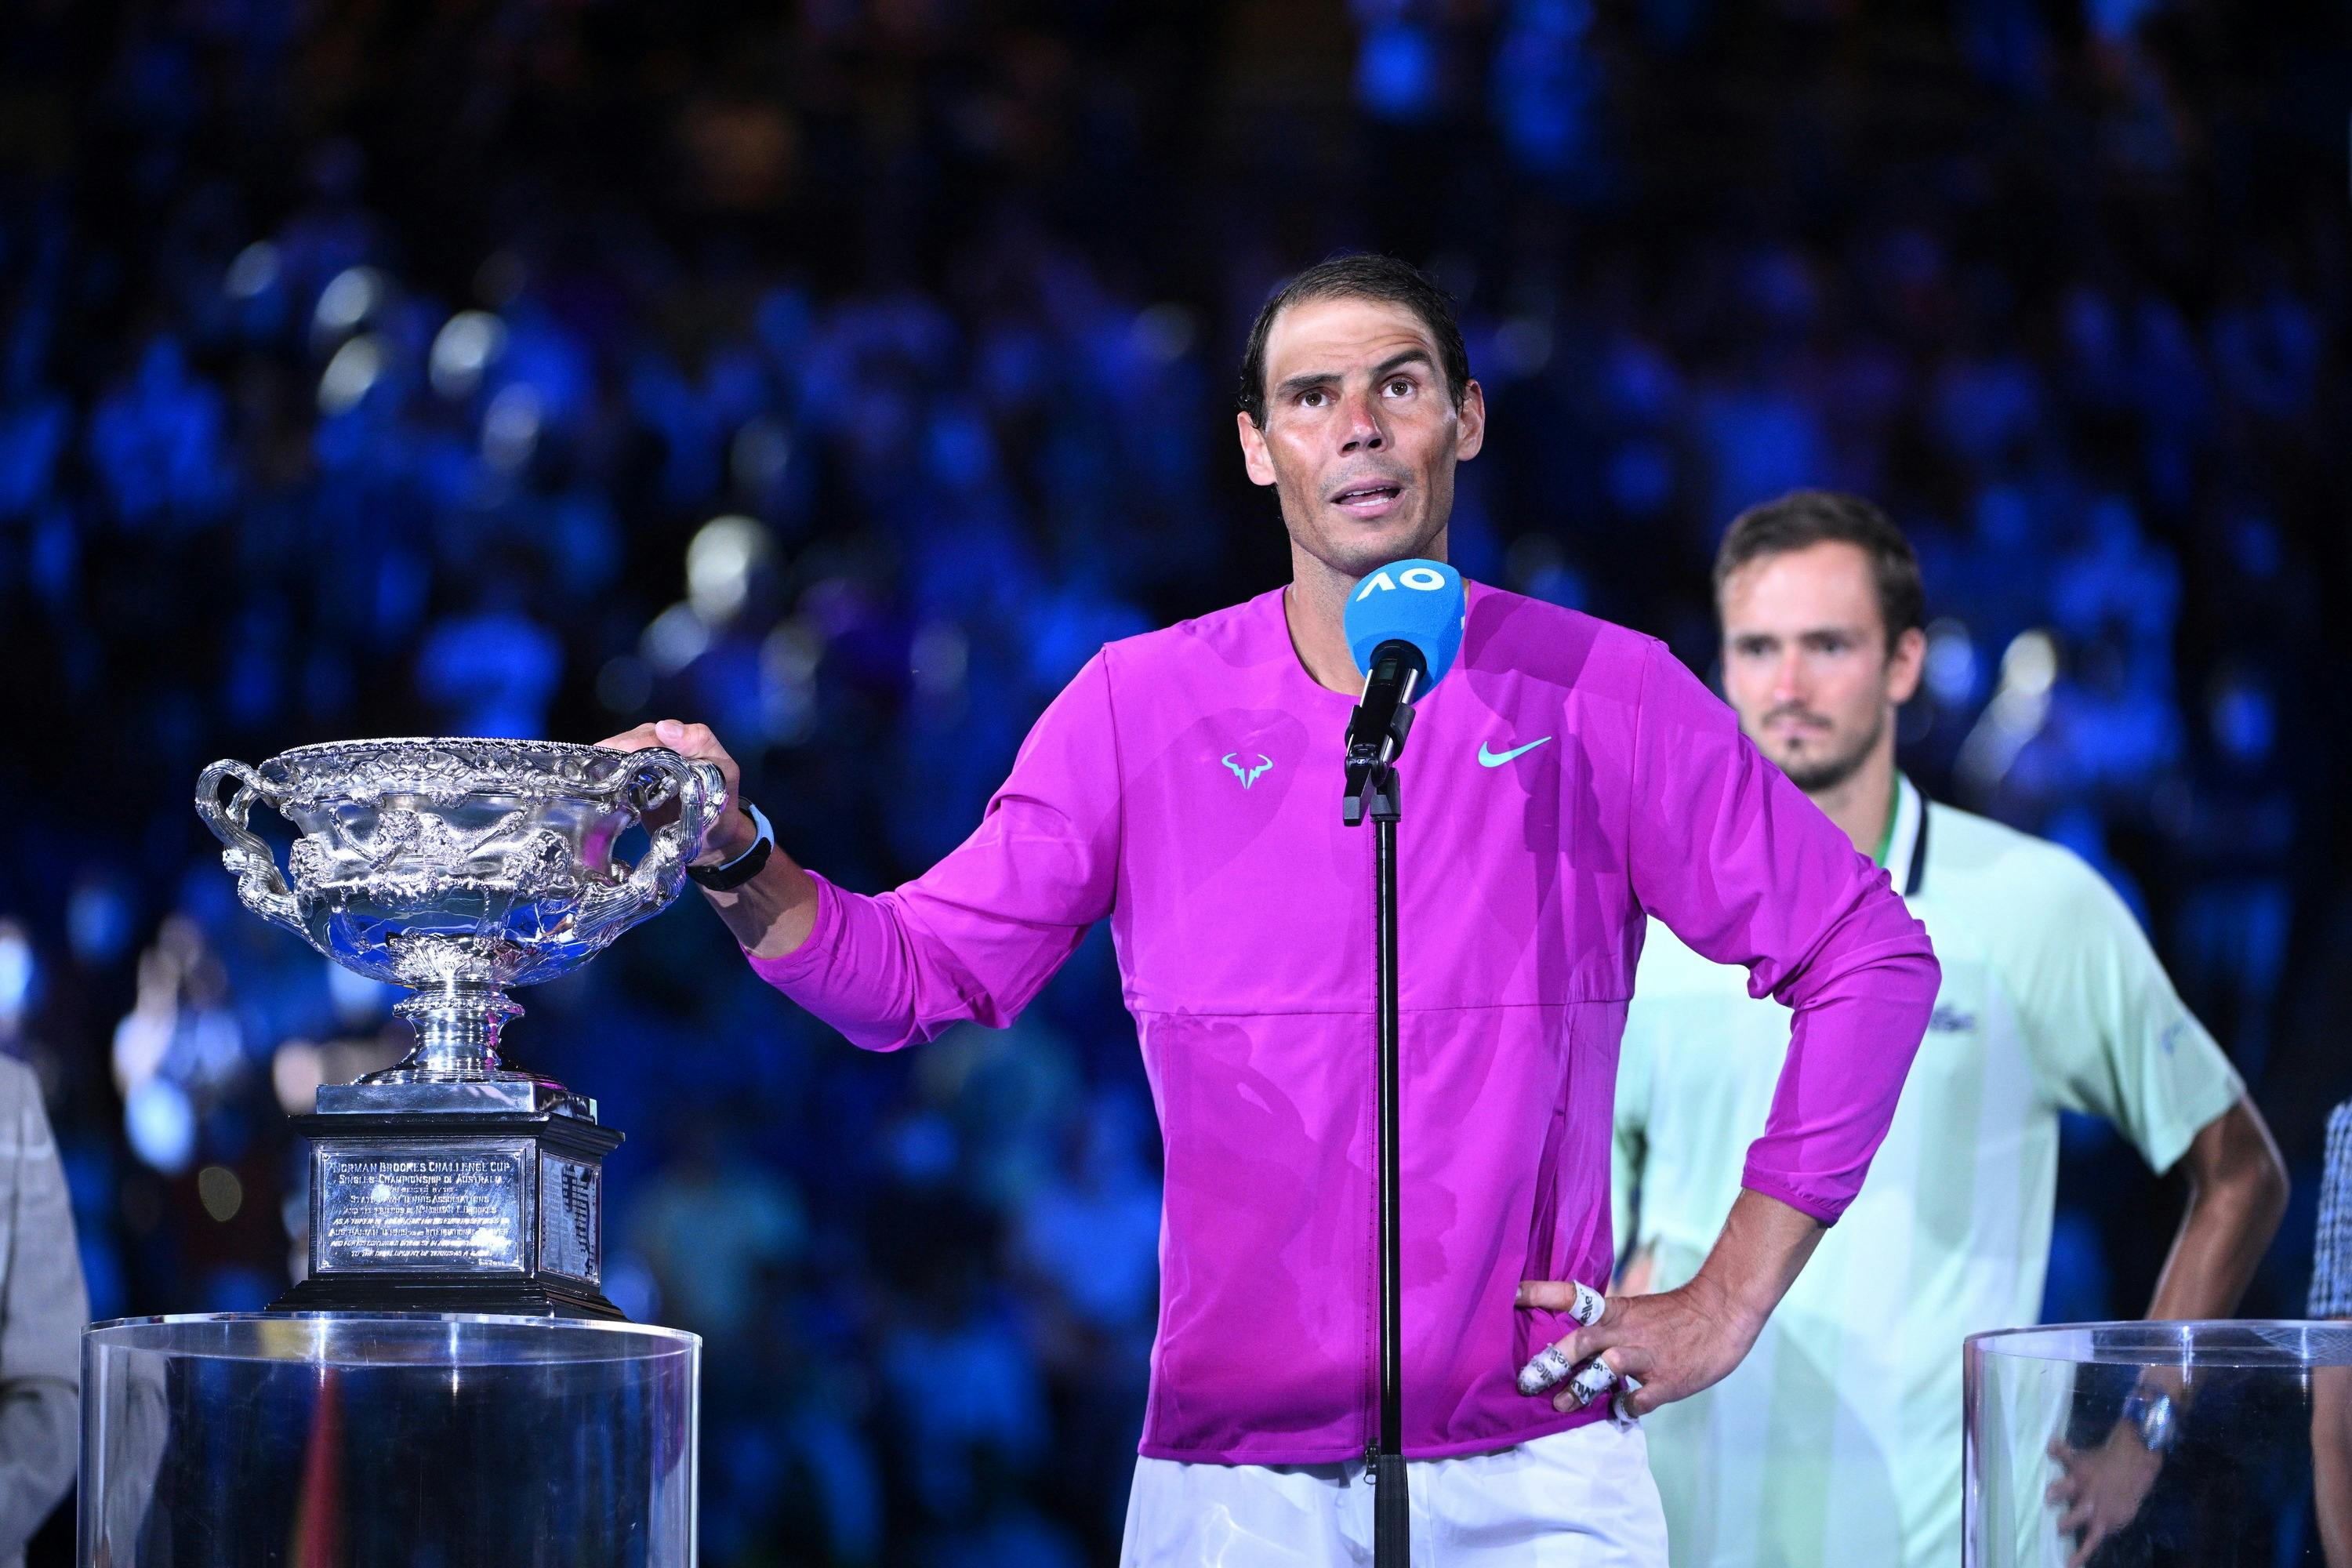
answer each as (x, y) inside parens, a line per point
(1355, 556)
(1821, 774)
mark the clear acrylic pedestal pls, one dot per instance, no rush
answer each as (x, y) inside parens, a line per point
(2223, 1445)
(398, 1440)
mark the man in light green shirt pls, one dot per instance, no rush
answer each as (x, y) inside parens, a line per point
(1838, 1440)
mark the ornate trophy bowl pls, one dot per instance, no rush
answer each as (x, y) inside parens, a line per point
(459, 868)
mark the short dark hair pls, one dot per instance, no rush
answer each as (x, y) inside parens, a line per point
(1364, 275)
(1805, 517)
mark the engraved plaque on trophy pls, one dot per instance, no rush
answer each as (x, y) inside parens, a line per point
(418, 1206)
(459, 868)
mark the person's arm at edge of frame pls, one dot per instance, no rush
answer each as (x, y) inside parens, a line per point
(41, 1318)
(2331, 1461)
(2331, 1386)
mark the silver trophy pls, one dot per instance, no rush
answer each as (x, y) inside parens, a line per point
(457, 869)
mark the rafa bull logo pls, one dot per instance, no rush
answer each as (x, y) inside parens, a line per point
(1247, 775)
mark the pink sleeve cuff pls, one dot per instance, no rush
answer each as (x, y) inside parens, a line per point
(792, 967)
(1824, 1209)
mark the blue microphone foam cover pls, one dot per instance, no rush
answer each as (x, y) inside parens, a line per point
(1419, 602)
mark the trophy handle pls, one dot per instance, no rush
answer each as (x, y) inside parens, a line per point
(701, 791)
(260, 886)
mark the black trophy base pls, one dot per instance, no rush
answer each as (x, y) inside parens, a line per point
(461, 1212)
(448, 1293)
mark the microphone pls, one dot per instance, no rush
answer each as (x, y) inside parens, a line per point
(1403, 625)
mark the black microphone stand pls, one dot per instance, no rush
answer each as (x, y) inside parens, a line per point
(1376, 734)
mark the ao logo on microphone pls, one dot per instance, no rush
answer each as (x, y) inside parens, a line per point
(1423, 579)
(1428, 614)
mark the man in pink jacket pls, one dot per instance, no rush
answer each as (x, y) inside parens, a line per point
(1569, 780)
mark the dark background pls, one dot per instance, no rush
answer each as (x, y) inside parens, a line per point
(843, 373)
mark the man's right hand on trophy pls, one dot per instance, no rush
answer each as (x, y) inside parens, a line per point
(774, 907)
(732, 832)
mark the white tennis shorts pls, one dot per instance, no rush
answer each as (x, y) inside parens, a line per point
(1574, 1500)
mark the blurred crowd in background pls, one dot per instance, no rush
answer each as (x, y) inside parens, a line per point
(843, 373)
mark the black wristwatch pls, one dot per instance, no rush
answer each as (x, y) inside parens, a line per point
(730, 874)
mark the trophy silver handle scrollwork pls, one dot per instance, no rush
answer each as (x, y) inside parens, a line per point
(700, 792)
(259, 885)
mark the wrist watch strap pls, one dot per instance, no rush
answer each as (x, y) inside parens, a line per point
(732, 874)
(2155, 1418)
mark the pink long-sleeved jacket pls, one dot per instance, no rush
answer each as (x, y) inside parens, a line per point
(1568, 778)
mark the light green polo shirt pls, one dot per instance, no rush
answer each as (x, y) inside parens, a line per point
(1838, 1440)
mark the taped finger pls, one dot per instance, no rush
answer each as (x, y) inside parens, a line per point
(1549, 1365)
(1573, 1297)
(1595, 1379)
